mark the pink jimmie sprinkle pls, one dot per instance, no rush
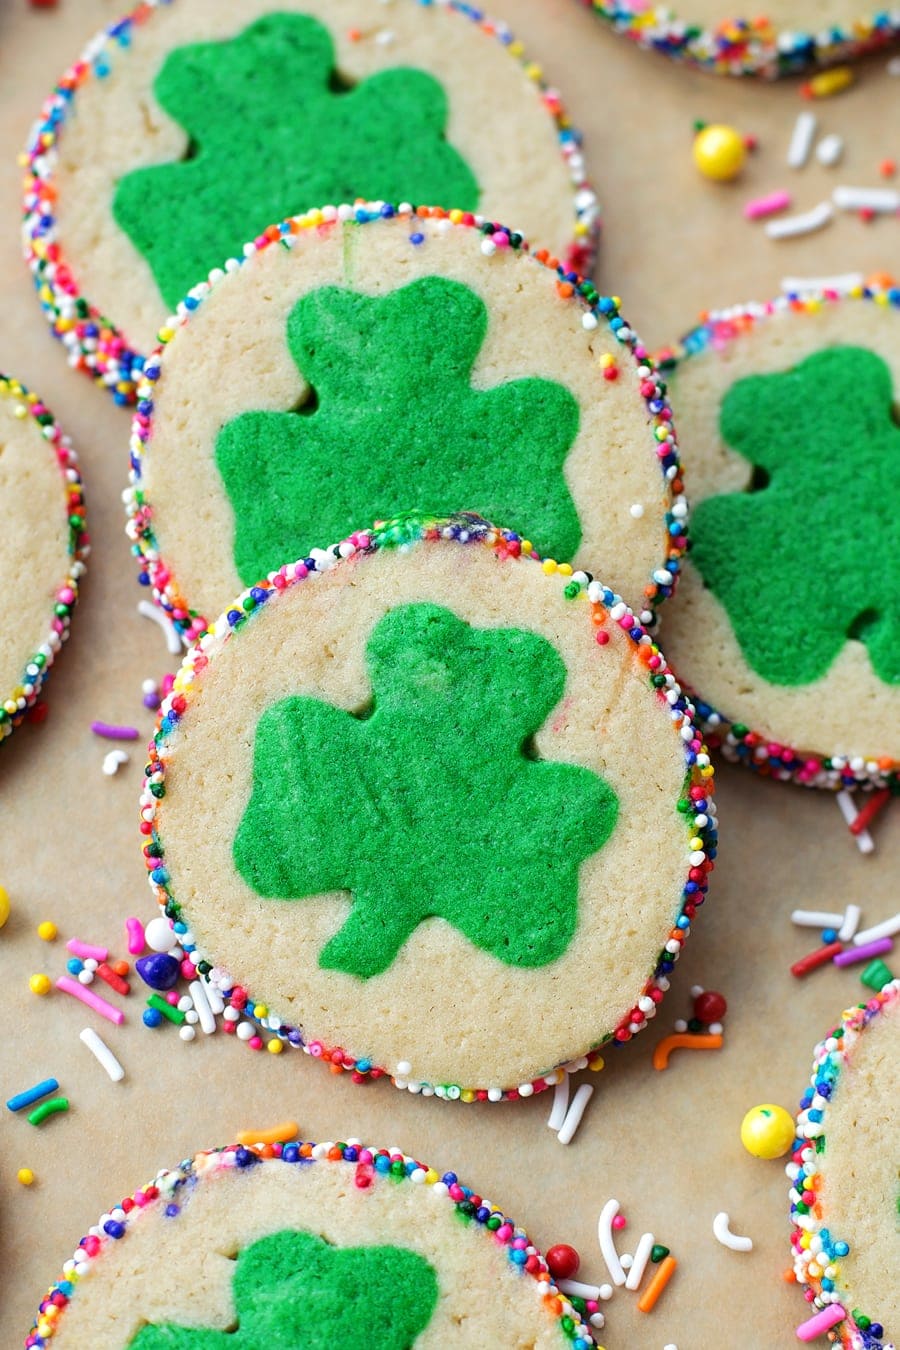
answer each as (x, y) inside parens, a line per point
(767, 206)
(822, 1322)
(86, 951)
(90, 999)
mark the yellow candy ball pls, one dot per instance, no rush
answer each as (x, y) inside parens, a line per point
(4, 906)
(25, 1175)
(47, 930)
(274, 1047)
(719, 152)
(39, 984)
(767, 1131)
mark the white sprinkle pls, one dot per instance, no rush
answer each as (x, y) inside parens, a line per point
(680, 1026)
(150, 611)
(728, 1239)
(829, 150)
(159, 935)
(639, 1264)
(851, 922)
(575, 1289)
(385, 37)
(101, 1052)
(575, 1112)
(893, 66)
(187, 1033)
(880, 930)
(636, 511)
(607, 1241)
(866, 199)
(627, 1261)
(560, 1104)
(201, 1005)
(589, 320)
(864, 841)
(598, 1321)
(801, 140)
(816, 918)
(606, 1292)
(787, 226)
(112, 761)
(844, 281)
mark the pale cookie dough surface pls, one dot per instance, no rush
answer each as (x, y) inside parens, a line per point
(448, 1010)
(36, 539)
(850, 710)
(858, 1182)
(232, 356)
(523, 177)
(179, 1270)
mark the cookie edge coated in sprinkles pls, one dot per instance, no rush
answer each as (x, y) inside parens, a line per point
(830, 1057)
(607, 609)
(742, 46)
(737, 742)
(24, 695)
(169, 1184)
(93, 342)
(490, 238)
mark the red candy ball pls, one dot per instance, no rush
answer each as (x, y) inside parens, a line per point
(562, 1261)
(710, 1006)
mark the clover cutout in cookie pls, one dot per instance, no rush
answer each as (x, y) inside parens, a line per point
(293, 1291)
(429, 802)
(273, 131)
(807, 559)
(395, 424)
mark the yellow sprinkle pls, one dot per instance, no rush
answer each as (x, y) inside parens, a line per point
(549, 566)
(278, 1134)
(527, 546)
(4, 906)
(431, 1177)
(606, 360)
(39, 984)
(47, 931)
(597, 1064)
(275, 1046)
(25, 1175)
(166, 334)
(260, 1010)
(467, 1095)
(565, 569)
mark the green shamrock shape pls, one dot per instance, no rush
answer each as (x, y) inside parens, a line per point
(272, 132)
(430, 802)
(293, 1291)
(807, 558)
(393, 424)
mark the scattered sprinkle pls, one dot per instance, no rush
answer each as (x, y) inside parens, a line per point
(682, 1041)
(866, 199)
(40, 984)
(90, 999)
(648, 1300)
(728, 1239)
(802, 138)
(888, 928)
(829, 150)
(829, 83)
(767, 1131)
(51, 1108)
(149, 611)
(134, 930)
(864, 952)
(575, 1113)
(25, 1176)
(47, 931)
(816, 918)
(102, 1053)
(607, 1242)
(113, 761)
(820, 957)
(110, 732)
(642, 1254)
(86, 951)
(32, 1094)
(760, 207)
(823, 1321)
(847, 806)
(789, 226)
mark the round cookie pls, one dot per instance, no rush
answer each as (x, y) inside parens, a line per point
(467, 821)
(793, 35)
(369, 360)
(43, 546)
(316, 1245)
(787, 625)
(176, 138)
(845, 1175)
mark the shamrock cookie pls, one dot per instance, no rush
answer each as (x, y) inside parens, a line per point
(42, 550)
(176, 138)
(310, 1246)
(845, 1178)
(793, 34)
(444, 761)
(369, 361)
(788, 621)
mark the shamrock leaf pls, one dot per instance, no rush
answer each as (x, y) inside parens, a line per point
(395, 424)
(293, 1291)
(813, 545)
(272, 132)
(430, 801)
